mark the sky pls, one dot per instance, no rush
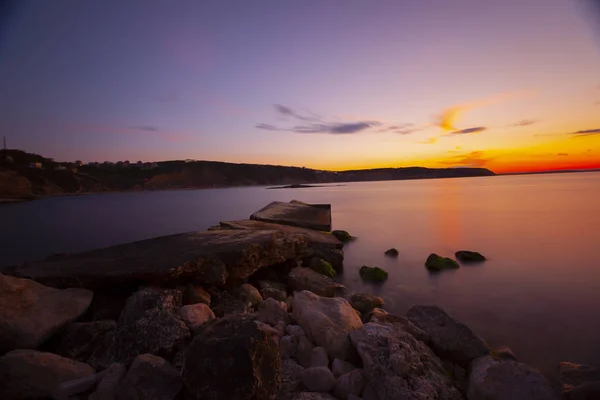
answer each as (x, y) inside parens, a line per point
(510, 86)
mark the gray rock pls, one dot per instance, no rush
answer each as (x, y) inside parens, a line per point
(507, 380)
(318, 379)
(288, 346)
(313, 396)
(505, 354)
(294, 330)
(290, 377)
(149, 378)
(340, 367)
(580, 382)
(449, 338)
(272, 289)
(196, 315)
(350, 383)
(318, 357)
(400, 367)
(31, 313)
(232, 359)
(250, 294)
(109, 383)
(30, 374)
(272, 311)
(365, 302)
(302, 278)
(381, 316)
(195, 293)
(304, 351)
(81, 339)
(327, 321)
(303, 215)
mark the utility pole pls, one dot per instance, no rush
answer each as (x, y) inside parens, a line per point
(4, 142)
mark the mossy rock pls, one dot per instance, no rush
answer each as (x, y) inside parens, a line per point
(342, 236)
(437, 263)
(373, 274)
(469, 256)
(392, 252)
(321, 266)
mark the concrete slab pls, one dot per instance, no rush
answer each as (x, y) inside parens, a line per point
(296, 213)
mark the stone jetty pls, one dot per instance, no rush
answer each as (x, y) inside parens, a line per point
(235, 313)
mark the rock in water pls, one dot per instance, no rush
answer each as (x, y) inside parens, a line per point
(506, 380)
(81, 339)
(373, 274)
(295, 213)
(469, 256)
(365, 302)
(437, 263)
(392, 252)
(321, 266)
(580, 382)
(30, 374)
(450, 339)
(317, 379)
(196, 315)
(232, 359)
(327, 321)
(30, 313)
(398, 366)
(302, 278)
(150, 377)
(342, 236)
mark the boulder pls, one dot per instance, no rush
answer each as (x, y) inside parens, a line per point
(317, 379)
(580, 382)
(272, 289)
(31, 313)
(288, 346)
(302, 278)
(365, 302)
(469, 256)
(399, 367)
(392, 252)
(31, 374)
(372, 274)
(232, 349)
(196, 315)
(224, 303)
(342, 236)
(368, 392)
(504, 354)
(313, 396)
(437, 263)
(304, 351)
(321, 266)
(353, 397)
(450, 339)
(506, 380)
(149, 323)
(351, 383)
(383, 317)
(340, 367)
(327, 321)
(249, 294)
(81, 339)
(272, 311)
(150, 377)
(295, 330)
(109, 383)
(166, 260)
(318, 357)
(311, 216)
(290, 377)
(195, 293)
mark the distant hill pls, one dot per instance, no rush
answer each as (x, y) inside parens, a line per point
(25, 175)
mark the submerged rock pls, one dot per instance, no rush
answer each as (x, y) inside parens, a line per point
(31, 313)
(327, 321)
(302, 278)
(321, 266)
(373, 274)
(365, 302)
(232, 359)
(469, 256)
(392, 252)
(437, 263)
(150, 377)
(450, 339)
(507, 380)
(580, 382)
(342, 236)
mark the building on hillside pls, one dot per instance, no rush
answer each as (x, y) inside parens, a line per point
(60, 168)
(36, 165)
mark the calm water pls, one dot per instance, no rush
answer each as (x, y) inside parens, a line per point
(539, 293)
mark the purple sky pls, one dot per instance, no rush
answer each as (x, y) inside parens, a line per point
(357, 82)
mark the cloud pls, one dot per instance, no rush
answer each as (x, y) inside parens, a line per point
(525, 122)
(331, 128)
(431, 140)
(146, 128)
(287, 111)
(267, 127)
(562, 154)
(587, 132)
(472, 159)
(476, 129)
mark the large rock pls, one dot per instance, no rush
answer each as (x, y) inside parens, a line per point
(250, 294)
(348, 384)
(467, 256)
(30, 313)
(149, 378)
(327, 321)
(295, 213)
(196, 315)
(321, 266)
(149, 323)
(198, 256)
(313, 396)
(398, 366)
(365, 302)
(372, 274)
(30, 374)
(383, 317)
(272, 290)
(224, 303)
(195, 293)
(317, 379)
(450, 339)
(507, 380)
(302, 278)
(272, 311)
(232, 350)
(81, 339)
(436, 263)
(109, 383)
(580, 382)
(291, 372)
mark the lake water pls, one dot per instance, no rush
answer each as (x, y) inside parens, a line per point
(539, 292)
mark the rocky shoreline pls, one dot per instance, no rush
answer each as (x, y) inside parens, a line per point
(247, 310)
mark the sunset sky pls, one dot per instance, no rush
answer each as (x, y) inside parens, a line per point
(508, 85)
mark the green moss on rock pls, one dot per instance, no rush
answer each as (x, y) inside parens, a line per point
(373, 274)
(469, 256)
(342, 236)
(437, 263)
(321, 266)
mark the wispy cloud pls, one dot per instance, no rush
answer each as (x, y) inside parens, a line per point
(146, 128)
(562, 154)
(287, 111)
(431, 140)
(525, 122)
(476, 129)
(472, 159)
(331, 128)
(587, 132)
